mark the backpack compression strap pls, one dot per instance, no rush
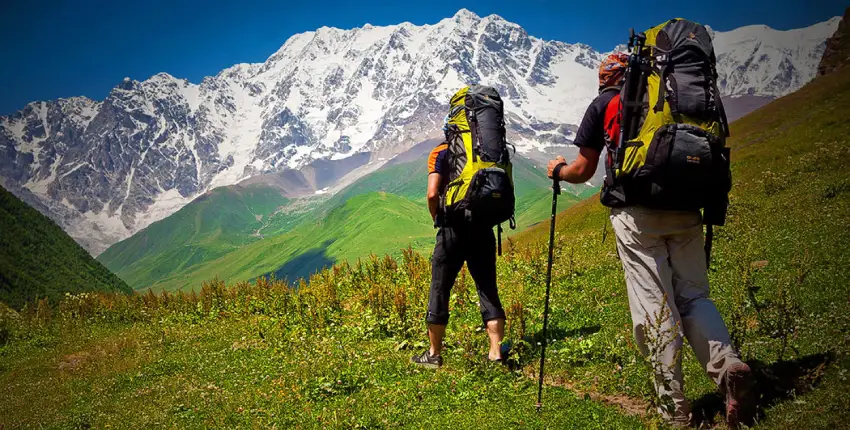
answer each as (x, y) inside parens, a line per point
(499, 230)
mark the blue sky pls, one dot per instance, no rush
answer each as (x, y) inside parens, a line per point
(62, 48)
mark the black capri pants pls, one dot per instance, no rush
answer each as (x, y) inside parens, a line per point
(455, 245)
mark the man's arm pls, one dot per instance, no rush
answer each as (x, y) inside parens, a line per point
(580, 170)
(434, 193)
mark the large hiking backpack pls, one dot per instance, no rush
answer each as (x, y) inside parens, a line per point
(480, 189)
(671, 152)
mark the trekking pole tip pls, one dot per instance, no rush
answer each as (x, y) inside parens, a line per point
(539, 406)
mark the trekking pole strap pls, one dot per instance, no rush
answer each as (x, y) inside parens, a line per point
(556, 178)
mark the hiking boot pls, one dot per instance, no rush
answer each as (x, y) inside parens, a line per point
(738, 385)
(681, 422)
(427, 360)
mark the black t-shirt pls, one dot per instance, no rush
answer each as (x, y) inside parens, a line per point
(591, 132)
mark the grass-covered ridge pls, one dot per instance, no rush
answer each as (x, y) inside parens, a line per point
(377, 221)
(242, 232)
(333, 352)
(38, 259)
(214, 224)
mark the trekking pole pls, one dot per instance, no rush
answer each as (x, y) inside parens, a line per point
(556, 189)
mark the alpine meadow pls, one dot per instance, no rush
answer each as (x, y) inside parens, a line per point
(255, 251)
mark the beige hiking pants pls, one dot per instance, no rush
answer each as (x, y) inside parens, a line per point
(664, 262)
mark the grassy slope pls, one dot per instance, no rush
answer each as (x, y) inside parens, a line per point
(374, 222)
(221, 375)
(408, 180)
(333, 353)
(350, 228)
(779, 268)
(207, 236)
(38, 259)
(212, 225)
(536, 207)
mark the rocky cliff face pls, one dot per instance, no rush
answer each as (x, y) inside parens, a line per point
(105, 169)
(836, 53)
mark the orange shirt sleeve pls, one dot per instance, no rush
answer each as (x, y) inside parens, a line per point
(432, 159)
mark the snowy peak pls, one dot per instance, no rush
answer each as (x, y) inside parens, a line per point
(758, 60)
(464, 13)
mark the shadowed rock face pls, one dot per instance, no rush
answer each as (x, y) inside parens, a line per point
(106, 169)
(837, 52)
(737, 107)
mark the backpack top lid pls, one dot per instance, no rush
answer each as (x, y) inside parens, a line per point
(472, 97)
(680, 34)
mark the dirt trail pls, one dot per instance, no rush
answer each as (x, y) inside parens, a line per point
(630, 405)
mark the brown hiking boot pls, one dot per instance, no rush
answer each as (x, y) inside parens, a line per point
(739, 404)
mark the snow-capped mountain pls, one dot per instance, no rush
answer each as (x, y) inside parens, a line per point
(106, 169)
(758, 60)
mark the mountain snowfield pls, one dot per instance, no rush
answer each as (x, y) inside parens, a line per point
(106, 169)
(758, 60)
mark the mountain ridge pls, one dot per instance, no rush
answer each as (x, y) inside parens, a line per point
(106, 169)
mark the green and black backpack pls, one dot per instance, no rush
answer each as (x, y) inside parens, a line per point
(671, 152)
(480, 189)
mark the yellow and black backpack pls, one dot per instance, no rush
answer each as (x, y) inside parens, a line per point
(480, 189)
(671, 152)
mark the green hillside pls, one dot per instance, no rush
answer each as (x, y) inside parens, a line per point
(38, 259)
(377, 223)
(212, 225)
(536, 206)
(334, 352)
(211, 231)
(410, 180)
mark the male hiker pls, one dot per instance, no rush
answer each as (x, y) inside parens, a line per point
(469, 192)
(665, 269)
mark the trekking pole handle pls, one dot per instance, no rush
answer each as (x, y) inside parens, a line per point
(556, 178)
